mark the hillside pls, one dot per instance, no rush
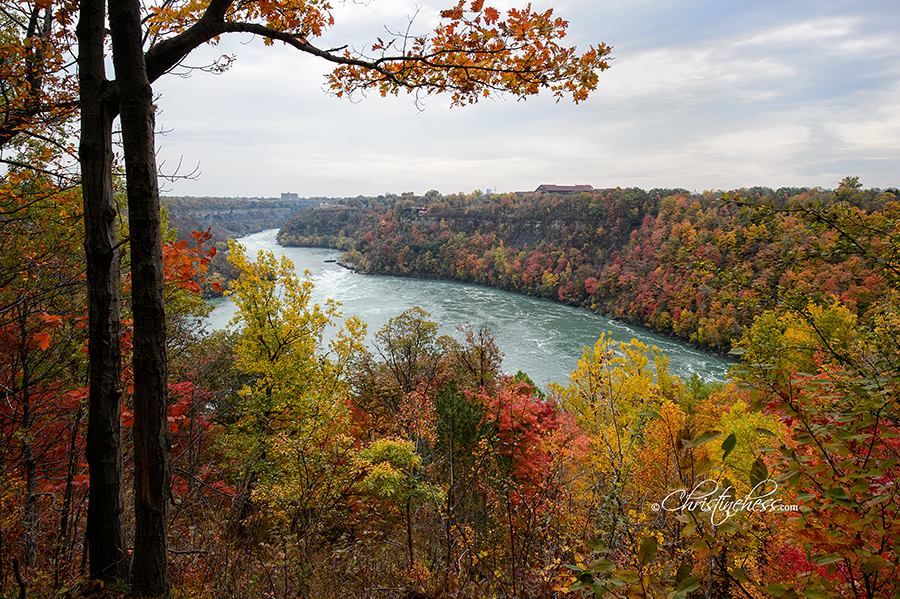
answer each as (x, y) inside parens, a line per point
(696, 266)
(230, 217)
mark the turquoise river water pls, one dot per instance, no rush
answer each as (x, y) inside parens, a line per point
(543, 338)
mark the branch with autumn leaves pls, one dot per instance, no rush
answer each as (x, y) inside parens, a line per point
(472, 53)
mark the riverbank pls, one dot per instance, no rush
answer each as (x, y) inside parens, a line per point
(538, 336)
(720, 353)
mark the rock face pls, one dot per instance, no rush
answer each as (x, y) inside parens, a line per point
(231, 217)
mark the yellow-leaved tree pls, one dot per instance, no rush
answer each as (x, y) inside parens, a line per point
(295, 461)
(656, 442)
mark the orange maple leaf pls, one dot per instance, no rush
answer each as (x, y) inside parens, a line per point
(40, 341)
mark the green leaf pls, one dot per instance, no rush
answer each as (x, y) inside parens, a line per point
(691, 583)
(860, 488)
(601, 566)
(647, 550)
(824, 560)
(611, 582)
(740, 575)
(684, 570)
(702, 438)
(728, 444)
(758, 472)
(874, 563)
(626, 577)
(877, 499)
(836, 493)
(729, 526)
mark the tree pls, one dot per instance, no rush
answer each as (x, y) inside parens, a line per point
(149, 364)
(832, 380)
(104, 535)
(291, 439)
(473, 54)
(407, 344)
(37, 96)
(389, 467)
(42, 371)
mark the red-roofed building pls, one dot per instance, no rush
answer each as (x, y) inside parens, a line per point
(563, 188)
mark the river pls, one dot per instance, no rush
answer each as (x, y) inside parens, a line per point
(540, 337)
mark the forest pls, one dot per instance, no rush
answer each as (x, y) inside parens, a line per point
(144, 456)
(700, 267)
(305, 467)
(227, 218)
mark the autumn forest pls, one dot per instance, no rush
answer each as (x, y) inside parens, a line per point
(301, 452)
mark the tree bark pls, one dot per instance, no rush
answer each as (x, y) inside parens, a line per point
(409, 535)
(512, 547)
(448, 527)
(61, 562)
(29, 514)
(104, 527)
(151, 476)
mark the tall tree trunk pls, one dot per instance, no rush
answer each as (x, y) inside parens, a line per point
(409, 535)
(29, 515)
(104, 528)
(151, 476)
(512, 547)
(62, 556)
(448, 527)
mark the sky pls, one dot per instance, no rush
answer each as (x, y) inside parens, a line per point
(701, 95)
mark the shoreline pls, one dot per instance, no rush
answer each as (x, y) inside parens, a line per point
(723, 355)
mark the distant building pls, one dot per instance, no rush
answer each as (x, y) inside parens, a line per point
(411, 211)
(289, 197)
(563, 188)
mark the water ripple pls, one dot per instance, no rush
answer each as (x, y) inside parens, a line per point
(542, 338)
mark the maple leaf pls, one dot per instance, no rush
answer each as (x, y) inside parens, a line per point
(52, 319)
(40, 341)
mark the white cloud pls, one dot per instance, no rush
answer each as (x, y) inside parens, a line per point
(833, 35)
(771, 142)
(874, 127)
(804, 32)
(693, 72)
(793, 105)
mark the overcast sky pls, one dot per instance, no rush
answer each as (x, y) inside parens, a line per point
(711, 94)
